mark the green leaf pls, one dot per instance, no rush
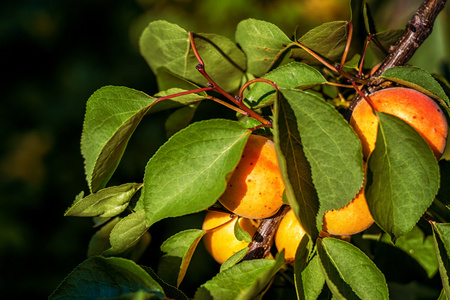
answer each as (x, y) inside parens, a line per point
(166, 45)
(179, 119)
(418, 79)
(291, 75)
(100, 277)
(441, 235)
(127, 233)
(189, 172)
(100, 240)
(170, 291)
(112, 115)
(402, 176)
(263, 43)
(240, 233)
(108, 202)
(295, 169)
(349, 273)
(308, 275)
(419, 247)
(234, 259)
(332, 149)
(178, 249)
(328, 40)
(242, 281)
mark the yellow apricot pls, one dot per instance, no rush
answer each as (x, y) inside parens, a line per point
(351, 219)
(221, 241)
(413, 107)
(289, 235)
(255, 188)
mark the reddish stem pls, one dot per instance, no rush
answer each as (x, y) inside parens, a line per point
(347, 45)
(211, 84)
(184, 93)
(364, 55)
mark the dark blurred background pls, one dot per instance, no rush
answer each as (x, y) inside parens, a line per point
(53, 56)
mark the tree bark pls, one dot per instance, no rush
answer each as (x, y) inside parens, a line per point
(417, 29)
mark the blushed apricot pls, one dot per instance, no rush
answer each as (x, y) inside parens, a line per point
(351, 219)
(221, 241)
(255, 188)
(288, 235)
(413, 107)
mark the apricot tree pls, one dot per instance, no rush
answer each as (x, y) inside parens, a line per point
(287, 149)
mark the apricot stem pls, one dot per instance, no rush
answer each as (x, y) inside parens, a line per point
(347, 45)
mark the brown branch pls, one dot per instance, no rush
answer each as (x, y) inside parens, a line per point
(262, 240)
(418, 28)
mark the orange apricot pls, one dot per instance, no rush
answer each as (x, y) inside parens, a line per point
(413, 107)
(288, 235)
(255, 188)
(350, 219)
(220, 241)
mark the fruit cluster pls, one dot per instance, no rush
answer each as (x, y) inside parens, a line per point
(255, 188)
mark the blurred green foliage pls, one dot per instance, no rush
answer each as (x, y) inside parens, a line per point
(54, 55)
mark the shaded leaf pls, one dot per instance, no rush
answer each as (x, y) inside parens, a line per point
(441, 234)
(179, 119)
(108, 202)
(127, 233)
(402, 176)
(332, 149)
(262, 42)
(178, 250)
(418, 79)
(188, 173)
(100, 240)
(291, 75)
(349, 273)
(170, 291)
(295, 169)
(308, 275)
(100, 277)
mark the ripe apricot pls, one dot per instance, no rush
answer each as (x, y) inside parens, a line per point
(255, 188)
(413, 107)
(221, 241)
(288, 235)
(350, 219)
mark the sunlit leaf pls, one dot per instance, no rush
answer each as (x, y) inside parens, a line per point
(262, 42)
(402, 178)
(127, 233)
(328, 40)
(234, 259)
(349, 273)
(166, 45)
(100, 240)
(108, 202)
(100, 277)
(418, 79)
(112, 115)
(189, 172)
(292, 75)
(242, 281)
(240, 233)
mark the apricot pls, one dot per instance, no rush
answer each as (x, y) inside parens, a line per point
(350, 219)
(255, 189)
(413, 107)
(288, 235)
(220, 241)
